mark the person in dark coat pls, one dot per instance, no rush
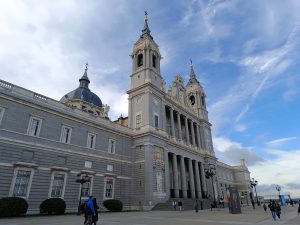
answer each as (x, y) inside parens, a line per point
(278, 210)
(299, 208)
(265, 207)
(196, 206)
(180, 205)
(272, 207)
(96, 207)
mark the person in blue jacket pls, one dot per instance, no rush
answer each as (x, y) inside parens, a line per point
(90, 210)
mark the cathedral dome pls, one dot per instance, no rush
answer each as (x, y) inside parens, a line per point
(83, 93)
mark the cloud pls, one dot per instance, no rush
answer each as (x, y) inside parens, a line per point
(240, 127)
(281, 170)
(232, 152)
(290, 94)
(281, 141)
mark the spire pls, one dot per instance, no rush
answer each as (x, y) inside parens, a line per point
(193, 79)
(146, 31)
(84, 80)
(192, 73)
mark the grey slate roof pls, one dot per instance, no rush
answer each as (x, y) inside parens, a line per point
(83, 93)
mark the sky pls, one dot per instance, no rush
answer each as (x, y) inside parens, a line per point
(245, 55)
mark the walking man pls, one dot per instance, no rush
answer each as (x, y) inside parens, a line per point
(272, 207)
(90, 210)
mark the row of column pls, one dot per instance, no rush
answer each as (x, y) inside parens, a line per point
(196, 177)
(196, 135)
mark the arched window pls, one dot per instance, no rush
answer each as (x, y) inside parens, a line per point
(140, 60)
(154, 61)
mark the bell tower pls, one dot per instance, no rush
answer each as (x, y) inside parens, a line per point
(196, 95)
(146, 60)
(147, 85)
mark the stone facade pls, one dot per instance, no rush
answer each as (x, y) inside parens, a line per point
(162, 150)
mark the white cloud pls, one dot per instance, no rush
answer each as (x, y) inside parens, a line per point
(281, 141)
(281, 170)
(240, 127)
(232, 152)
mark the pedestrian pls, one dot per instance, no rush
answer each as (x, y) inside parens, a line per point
(196, 206)
(174, 203)
(90, 210)
(253, 203)
(96, 207)
(83, 209)
(242, 203)
(201, 205)
(272, 207)
(180, 205)
(265, 207)
(299, 208)
(278, 210)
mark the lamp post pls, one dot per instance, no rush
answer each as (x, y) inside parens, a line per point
(278, 188)
(81, 180)
(253, 183)
(210, 173)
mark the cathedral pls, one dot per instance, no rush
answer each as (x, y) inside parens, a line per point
(70, 149)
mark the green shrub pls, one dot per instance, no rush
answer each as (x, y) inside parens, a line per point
(113, 205)
(53, 206)
(13, 206)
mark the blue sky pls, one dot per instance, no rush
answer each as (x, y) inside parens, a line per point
(245, 54)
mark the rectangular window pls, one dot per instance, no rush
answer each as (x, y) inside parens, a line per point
(110, 168)
(138, 120)
(34, 126)
(66, 134)
(86, 188)
(1, 113)
(22, 183)
(109, 188)
(111, 146)
(156, 121)
(58, 185)
(91, 140)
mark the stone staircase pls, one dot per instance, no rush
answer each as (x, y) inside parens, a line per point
(187, 204)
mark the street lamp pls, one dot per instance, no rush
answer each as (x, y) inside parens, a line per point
(209, 173)
(81, 180)
(278, 188)
(253, 183)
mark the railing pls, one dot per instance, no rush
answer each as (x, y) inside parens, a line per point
(5, 84)
(39, 97)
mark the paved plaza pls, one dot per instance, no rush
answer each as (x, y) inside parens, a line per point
(205, 217)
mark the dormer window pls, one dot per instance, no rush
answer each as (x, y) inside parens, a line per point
(154, 61)
(140, 60)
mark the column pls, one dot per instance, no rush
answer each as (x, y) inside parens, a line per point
(179, 126)
(198, 135)
(183, 177)
(187, 130)
(193, 133)
(192, 183)
(203, 146)
(203, 181)
(175, 173)
(167, 173)
(166, 121)
(172, 122)
(198, 184)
